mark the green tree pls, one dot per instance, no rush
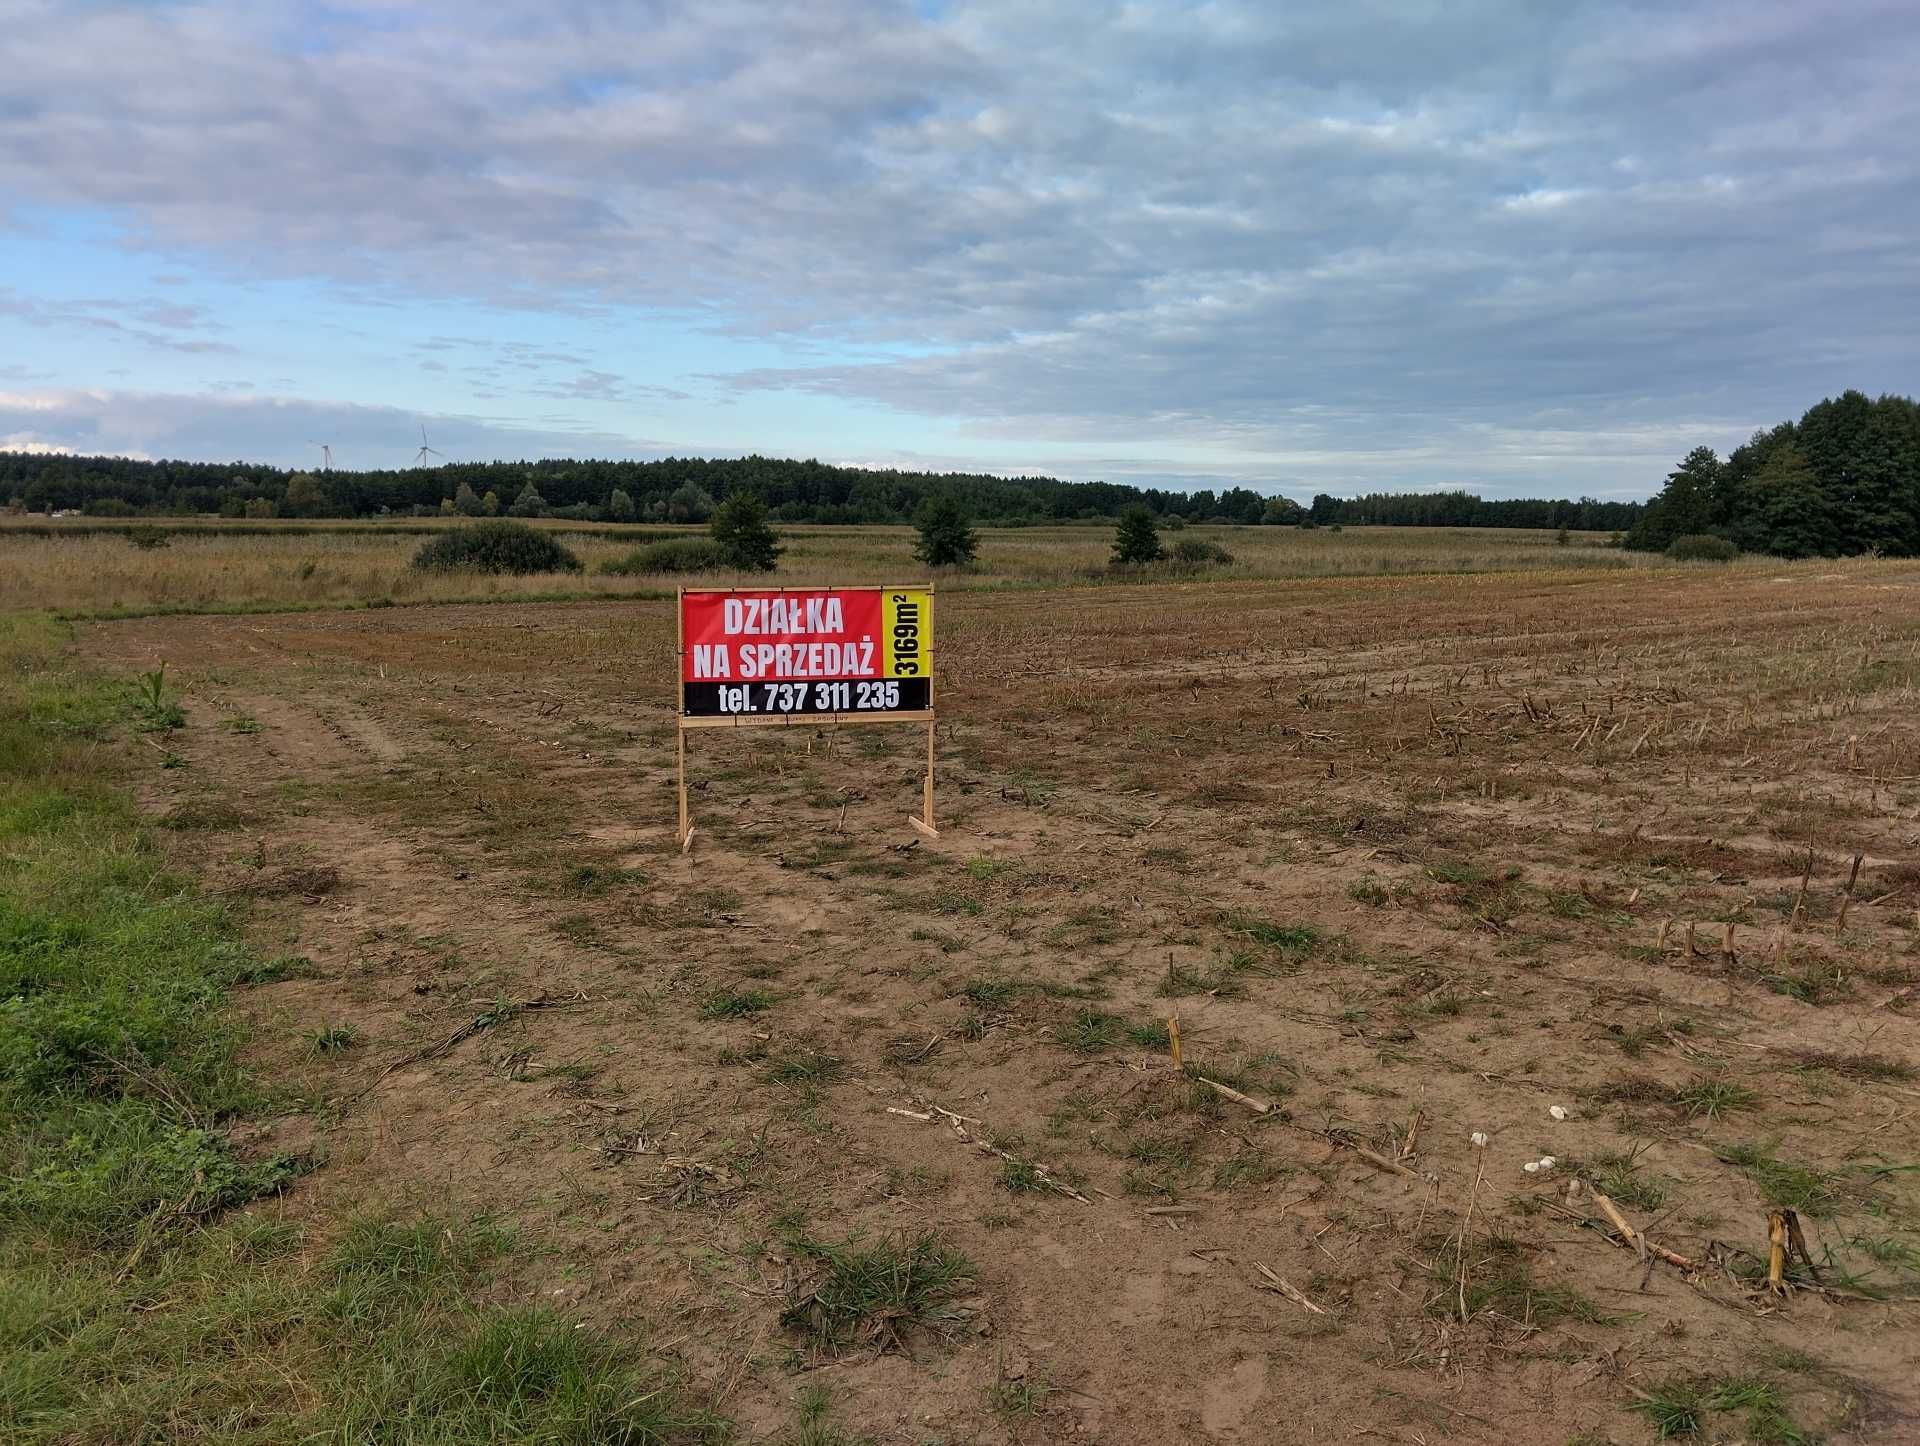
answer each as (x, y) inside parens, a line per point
(490, 504)
(1788, 512)
(620, 507)
(745, 538)
(1136, 540)
(1693, 501)
(529, 503)
(947, 539)
(1282, 512)
(306, 496)
(689, 502)
(467, 502)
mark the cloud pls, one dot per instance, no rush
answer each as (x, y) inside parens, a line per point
(1254, 231)
(284, 430)
(166, 326)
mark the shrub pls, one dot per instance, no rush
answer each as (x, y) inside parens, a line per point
(669, 554)
(946, 539)
(1702, 547)
(1196, 552)
(495, 546)
(529, 503)
(1136, 540)
(745, 539)
(146, 537)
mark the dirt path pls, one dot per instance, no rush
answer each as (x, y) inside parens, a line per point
(1388, 849)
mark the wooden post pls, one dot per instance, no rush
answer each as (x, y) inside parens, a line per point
(685, 834)
(925, 825)
(686, 823)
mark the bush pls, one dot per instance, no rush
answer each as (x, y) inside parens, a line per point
(669, 554)
(495, 547)
(1136, 540)
(1196, 552)
(946, 538)
(741, 531)
(1702, 547)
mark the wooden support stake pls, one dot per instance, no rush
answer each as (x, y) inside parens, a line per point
(925, 825)
(685, 834)
(1173, 1039)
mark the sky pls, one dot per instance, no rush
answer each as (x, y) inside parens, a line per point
(1528, 249)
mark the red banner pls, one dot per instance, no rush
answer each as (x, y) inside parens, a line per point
(805, 650)
(781, 636)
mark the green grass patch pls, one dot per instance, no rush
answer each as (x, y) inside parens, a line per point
(870, 1297)
(1090, 1032)
(1782, 1182)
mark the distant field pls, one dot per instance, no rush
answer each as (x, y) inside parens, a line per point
(89, 566)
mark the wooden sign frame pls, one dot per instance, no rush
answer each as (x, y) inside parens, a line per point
(684, 721)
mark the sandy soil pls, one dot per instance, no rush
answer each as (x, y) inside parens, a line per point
(1410, 859)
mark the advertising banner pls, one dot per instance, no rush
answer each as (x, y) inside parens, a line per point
(773, 655)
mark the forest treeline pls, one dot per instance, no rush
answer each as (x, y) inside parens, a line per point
(1844, 479)
(687, 489)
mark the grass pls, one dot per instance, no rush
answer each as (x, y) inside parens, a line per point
(1710, 1097)
(86, 567)
(139, 1298)
(333, 1038)
(815, 1426)
(993, 994)
(1091, 1032)
(805, 1069)
(735, 1003)
(1682, 1408)
(1781, 1182)
(1500, 1282)
(1617, 1174)
(868, 1297)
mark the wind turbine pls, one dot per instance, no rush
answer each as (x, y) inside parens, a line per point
(420, 457)
(326, 455)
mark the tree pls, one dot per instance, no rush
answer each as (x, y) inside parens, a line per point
(467, 502)
(529, 503)
(1136, 540)
(490, 504)
(1325, 509)
(689, 502)
(1282, 512)
(620, 507)
(946, 537)
(746, 540)
(1788, 512)
(306, 496)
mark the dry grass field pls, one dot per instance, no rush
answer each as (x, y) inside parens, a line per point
(879, 1137)
(91, 567)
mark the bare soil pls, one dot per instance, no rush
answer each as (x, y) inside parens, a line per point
(1415, 850)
